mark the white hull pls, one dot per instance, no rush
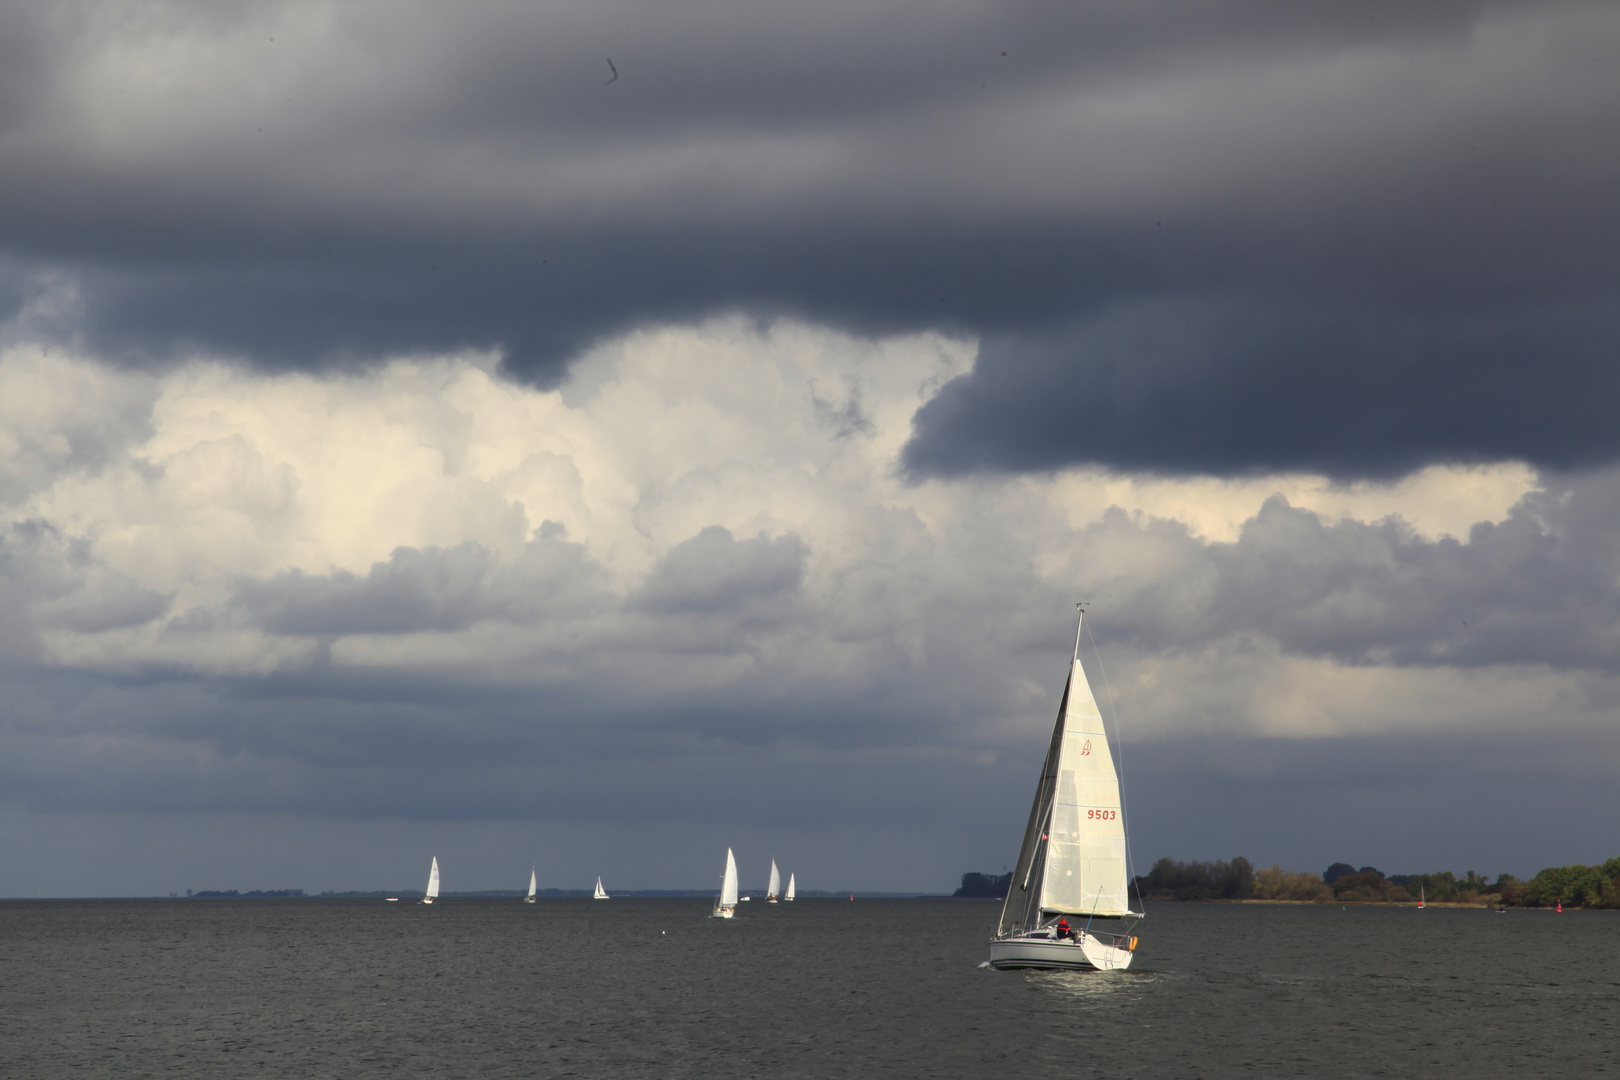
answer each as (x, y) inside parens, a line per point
(725, 913)
(1045, 952)
(528, 899)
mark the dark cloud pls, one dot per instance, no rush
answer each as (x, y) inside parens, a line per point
(714, 573)
(1536, 588)
(1335, 237)
(51, 581)
(432, 589)
(1252, 385)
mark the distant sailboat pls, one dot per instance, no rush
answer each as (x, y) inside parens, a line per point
(775, 886)
(432, 893)
(532, 883)
(601, 893)
(1421, 904)
(789, 895)
(1073, 858)
(726, 906)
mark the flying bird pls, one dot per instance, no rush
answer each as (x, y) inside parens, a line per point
(615, 73)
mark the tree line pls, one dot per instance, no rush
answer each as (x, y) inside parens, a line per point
(1237, 879)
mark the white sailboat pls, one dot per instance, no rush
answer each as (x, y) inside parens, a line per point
(533, 882)
(789, 894)
(1073, 861)
(432, 893)
(601, 893)
(775, 886)
(1421, 904)
(726, 906)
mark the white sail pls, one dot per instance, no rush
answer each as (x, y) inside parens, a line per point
(533, 883)
(1085, 850)
(728, 883)
(433, 883)
(789, 895)
(776, 883)
(601, 893)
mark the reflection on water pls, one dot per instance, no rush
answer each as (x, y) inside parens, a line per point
(817, 988)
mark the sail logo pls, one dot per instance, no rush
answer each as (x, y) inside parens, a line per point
(1085, 751)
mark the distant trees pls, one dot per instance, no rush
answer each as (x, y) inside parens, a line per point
(1572, 886)
(1275, 883)
(1171, 880)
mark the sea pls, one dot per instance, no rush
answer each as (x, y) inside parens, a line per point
(816, 988)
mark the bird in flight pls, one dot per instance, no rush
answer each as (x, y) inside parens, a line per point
(615, 73)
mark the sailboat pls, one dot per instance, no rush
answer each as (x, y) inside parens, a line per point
(789, 894)
(601, 893)
(775, 886)
(726, 906)
(432, 893)
(1073, 861)
(532, 883)
(1421, 902)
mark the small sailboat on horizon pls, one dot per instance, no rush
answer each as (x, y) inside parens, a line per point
(775, 886)
(601, 893)
(432, 892)
(725, 905)
(1422, 903)
(789, 894)
(1074, 856)
(533, 882)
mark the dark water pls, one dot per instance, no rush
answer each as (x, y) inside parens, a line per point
(818, 988)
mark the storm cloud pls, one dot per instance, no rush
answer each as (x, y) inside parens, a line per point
(1232, 240)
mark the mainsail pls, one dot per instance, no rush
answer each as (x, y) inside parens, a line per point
(775, 886)
(1072, 860)
(533, 882)
(432, 893)
(789, 895)
(728, 883)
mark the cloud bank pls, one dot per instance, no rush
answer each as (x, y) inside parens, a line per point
(695, 576)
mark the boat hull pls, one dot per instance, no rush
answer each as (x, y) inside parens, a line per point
(724, 913)
(1049, 954)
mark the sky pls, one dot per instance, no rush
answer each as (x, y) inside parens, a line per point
(592, 435)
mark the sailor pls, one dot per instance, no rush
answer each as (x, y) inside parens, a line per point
(1063, 930)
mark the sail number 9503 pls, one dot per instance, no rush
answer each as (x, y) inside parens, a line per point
(1101, 815)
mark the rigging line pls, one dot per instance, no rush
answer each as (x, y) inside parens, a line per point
(1119, 739)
